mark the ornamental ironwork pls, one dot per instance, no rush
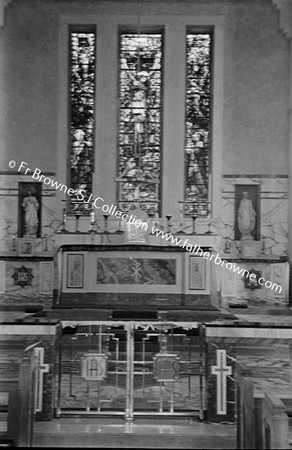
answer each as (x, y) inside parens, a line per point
(94, 366)
(166, 367)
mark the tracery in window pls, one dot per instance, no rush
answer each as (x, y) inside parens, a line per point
(82, 74)
(139, 147)
(198, 102)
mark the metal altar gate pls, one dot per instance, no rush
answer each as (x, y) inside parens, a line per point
(130, 369)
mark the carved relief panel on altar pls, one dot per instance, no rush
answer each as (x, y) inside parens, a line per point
(136, 271)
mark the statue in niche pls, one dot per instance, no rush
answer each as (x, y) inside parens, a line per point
(246, 217)
(31, 206)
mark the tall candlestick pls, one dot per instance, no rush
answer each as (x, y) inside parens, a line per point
(106, 216)
(227, 245)
(156, 222)
(194, 224)
(92, 224)
(64, 219)
(181, 214)
(13, 243)
(77, 215)
(181, 204)
(168, 217)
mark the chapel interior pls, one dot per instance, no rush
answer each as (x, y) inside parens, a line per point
(145, 227)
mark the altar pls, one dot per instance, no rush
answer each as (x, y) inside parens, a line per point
(148, 276)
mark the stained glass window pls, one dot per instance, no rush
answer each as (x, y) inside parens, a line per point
(82, 74)
(139, 147)
(197, 145)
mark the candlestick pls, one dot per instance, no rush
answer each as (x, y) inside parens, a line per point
(13, 243)
(209, 205)
(64, 220)
(106, 216)
(119, 230)
(181, 205)
(92, 229)
(77, 215)
(209, 227)
(156, 223)
(227, 245)
(181, 214)
(153, 222)
(168, 217)
(194, 224)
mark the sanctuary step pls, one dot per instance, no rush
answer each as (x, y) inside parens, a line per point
(200, 314)
(134, 315)
(142, 433)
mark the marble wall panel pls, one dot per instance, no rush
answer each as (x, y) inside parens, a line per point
(22, 283)
(258, 296)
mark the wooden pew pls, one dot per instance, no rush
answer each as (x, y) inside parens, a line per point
(21, 403)
(262, 417)
(275, 424)
(12, 388)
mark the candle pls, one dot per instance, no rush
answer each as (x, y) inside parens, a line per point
(92, 216)
(181, 206)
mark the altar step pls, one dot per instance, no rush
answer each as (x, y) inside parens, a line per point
(142, 433)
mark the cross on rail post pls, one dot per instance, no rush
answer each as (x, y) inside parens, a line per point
(39, 382)
(221, 370)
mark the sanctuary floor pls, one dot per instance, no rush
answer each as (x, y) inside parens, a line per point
(142, 433)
